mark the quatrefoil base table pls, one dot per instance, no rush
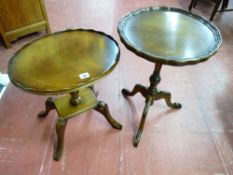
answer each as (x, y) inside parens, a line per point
(166, 36)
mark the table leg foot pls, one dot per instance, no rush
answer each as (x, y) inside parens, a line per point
(103, 109)
(49, 105)
(149, 102)
(60, 129)
(167, 97)
(137, 138)
(137, 88)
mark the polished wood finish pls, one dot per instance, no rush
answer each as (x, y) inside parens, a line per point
(61, 59)
(150, 94)
(169, 36)
(66, 110)
(195, 140)
(66, 62)
(166, 36)
(20, 18)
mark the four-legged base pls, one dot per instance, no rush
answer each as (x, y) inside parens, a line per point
(69, 106)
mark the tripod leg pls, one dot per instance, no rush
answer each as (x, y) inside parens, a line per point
(137, 88)
(149, 102)
(167, 97)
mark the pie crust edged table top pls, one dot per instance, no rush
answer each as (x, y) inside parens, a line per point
(166, 36)
(68, 63)
(64, 62)
(169, 36)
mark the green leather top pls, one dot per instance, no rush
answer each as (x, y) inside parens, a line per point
(169, 35)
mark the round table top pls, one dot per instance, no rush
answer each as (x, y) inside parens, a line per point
(169, 35)
(64, 61)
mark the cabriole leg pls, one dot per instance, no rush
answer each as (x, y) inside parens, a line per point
(49, 105)
(103, 109)
(60, 130)
(137, 88)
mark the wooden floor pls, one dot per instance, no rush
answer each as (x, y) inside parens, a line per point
(195, 140)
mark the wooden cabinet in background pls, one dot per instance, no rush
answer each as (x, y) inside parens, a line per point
(21, 17)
